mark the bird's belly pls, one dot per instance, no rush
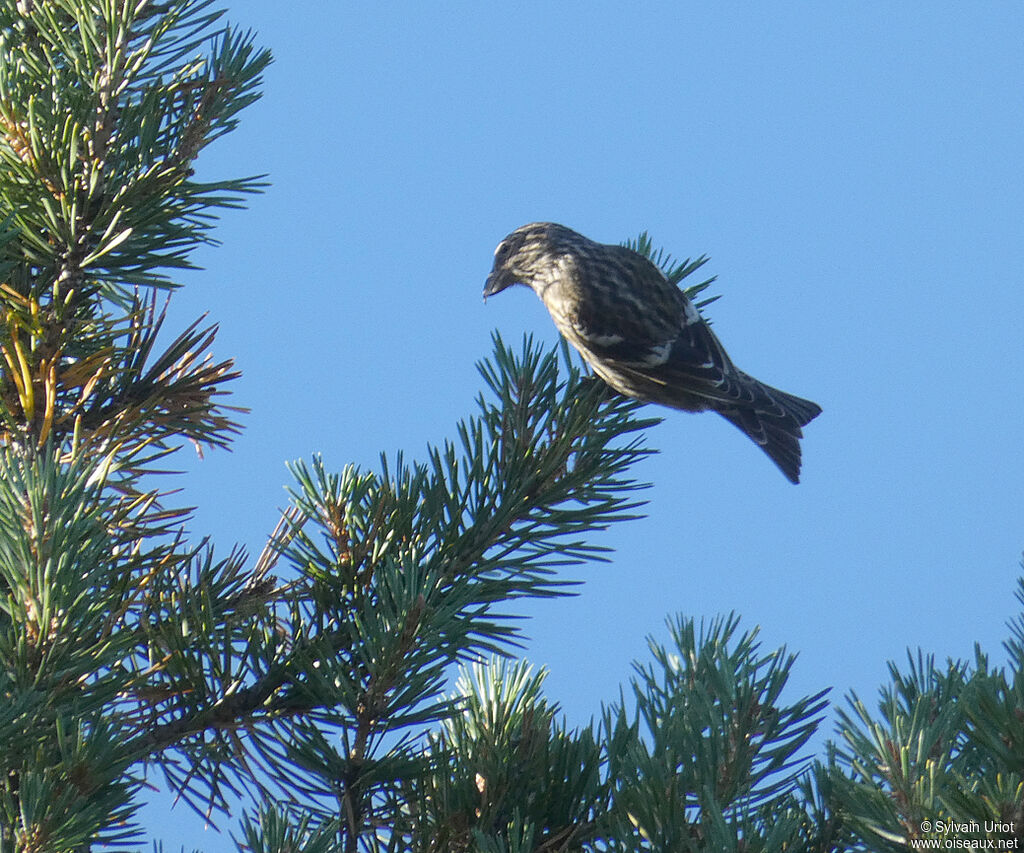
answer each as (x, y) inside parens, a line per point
(647, 388)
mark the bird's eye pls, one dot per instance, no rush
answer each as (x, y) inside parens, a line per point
(501, 252)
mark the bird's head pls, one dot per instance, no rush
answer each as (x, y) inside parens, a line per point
(527, 253)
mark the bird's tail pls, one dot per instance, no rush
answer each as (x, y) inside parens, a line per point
(773, 421)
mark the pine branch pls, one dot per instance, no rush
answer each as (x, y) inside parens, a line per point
(710, 756)
(402, 572)
(96, 149)
(103, 109)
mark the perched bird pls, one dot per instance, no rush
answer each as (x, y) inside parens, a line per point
(643, 336)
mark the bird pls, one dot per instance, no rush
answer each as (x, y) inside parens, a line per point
(644, 336)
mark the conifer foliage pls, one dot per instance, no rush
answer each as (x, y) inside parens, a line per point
(354, 686)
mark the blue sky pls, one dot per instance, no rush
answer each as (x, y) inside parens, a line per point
(854, 171)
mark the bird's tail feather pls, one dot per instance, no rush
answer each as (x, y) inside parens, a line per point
(803, 411)
(773, 422)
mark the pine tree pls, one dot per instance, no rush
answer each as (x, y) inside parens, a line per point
(355, 684)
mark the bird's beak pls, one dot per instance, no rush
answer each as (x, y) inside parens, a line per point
(497, 281)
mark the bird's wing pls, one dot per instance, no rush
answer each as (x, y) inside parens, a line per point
(674, 353)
